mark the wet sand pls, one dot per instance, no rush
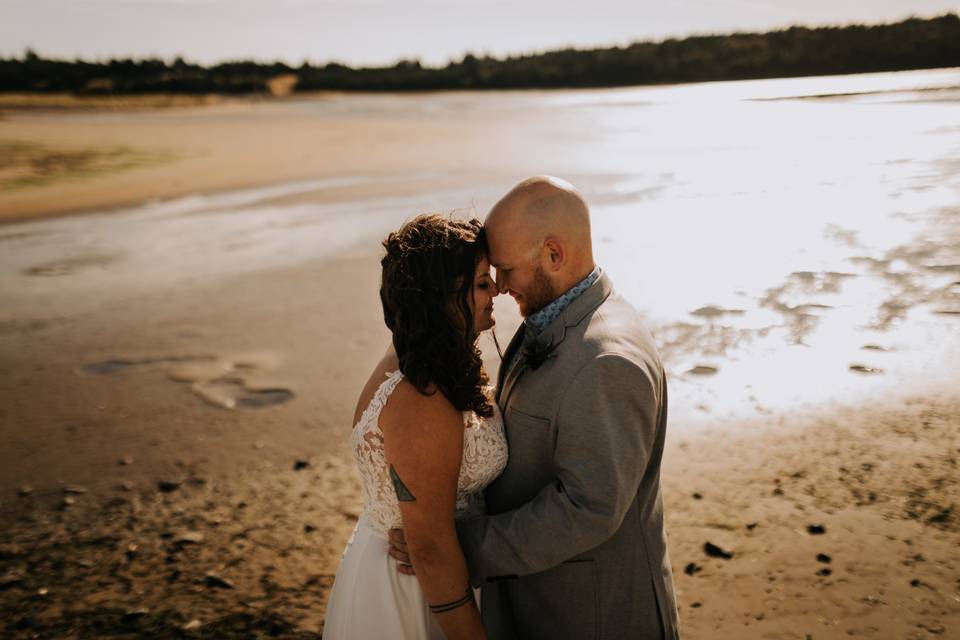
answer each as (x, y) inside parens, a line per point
(175, 406)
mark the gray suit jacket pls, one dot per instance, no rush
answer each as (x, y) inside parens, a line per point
(573, 543)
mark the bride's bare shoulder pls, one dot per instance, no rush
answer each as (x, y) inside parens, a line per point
(410, 408)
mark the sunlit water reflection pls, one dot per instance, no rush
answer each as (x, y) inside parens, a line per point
(793, 242)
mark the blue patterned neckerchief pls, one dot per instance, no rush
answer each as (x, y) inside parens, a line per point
(540, 320)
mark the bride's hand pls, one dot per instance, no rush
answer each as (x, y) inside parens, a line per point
(398, 551)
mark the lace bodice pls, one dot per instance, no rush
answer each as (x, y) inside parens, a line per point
(484, 457)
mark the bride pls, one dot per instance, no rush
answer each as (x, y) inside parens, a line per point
(426, 438)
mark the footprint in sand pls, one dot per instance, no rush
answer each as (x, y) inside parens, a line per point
(222, 382)
(229, 383)
(118, 364)
(230, 392)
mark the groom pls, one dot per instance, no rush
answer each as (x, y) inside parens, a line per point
(573, 543)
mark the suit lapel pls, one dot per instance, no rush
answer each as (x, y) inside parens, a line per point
(512, 366)
(509, 358)
(513, 373)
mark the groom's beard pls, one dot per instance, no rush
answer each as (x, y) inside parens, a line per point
(541, 292)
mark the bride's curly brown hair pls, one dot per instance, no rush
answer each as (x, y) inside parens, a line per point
(427, 281)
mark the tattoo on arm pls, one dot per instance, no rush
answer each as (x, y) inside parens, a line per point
(403, 493)
(456, 604)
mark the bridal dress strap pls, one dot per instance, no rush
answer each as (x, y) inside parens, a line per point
(379, 400)
(380, 508)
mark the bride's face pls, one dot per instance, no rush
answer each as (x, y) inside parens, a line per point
(481, 300)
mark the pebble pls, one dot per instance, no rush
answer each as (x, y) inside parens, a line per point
(75, 489)
(714, 551)
(125, 460)
(11, 578)
(824, 558)
(136, 613)
(300, 465)
(25, 490)
(816, 529)
(189, 537)
(936, 629)
(214, 581)
(692, 569)
(751, 526)
(126, 485)
(193, 624)
(169, 485)
(824, 572)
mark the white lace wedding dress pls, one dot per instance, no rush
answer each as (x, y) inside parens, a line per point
(370, 599)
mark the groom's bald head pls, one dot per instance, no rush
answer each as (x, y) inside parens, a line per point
(540, 206)
(539, 237)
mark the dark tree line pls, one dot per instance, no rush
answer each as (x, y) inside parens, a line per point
(799, 51)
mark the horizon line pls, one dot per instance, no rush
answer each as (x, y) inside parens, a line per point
(507, 56)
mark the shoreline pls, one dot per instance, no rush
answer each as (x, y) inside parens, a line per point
(158, 147)
(100, 161)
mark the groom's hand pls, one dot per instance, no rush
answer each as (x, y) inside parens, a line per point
(398, 551)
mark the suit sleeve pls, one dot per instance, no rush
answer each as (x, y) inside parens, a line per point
(606, 427)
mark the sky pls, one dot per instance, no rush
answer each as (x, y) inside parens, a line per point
(374, 32)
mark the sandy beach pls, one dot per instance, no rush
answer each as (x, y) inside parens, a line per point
(74, 159)
(233, 554)
(181, 363)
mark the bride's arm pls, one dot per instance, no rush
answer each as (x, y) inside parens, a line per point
(423, 442)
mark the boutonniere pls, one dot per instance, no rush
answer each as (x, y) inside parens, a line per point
(537, 352)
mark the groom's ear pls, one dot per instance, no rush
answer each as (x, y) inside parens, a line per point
(555, 253)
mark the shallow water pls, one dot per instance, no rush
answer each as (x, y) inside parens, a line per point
(793, 242)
